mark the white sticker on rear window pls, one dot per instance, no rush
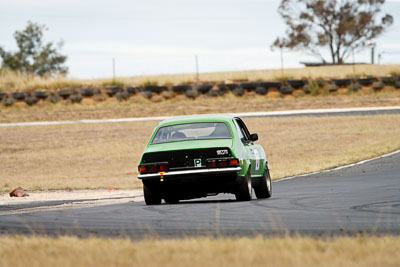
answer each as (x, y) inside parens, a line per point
(222, 152)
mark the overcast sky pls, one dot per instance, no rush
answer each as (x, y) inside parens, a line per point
(161, 37)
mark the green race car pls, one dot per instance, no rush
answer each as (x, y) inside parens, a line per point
(197, 156)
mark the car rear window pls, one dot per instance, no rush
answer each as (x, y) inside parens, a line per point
(192, 131)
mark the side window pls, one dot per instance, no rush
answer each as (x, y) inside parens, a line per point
(243, 128)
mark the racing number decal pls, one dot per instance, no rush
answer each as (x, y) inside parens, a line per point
(257, 159)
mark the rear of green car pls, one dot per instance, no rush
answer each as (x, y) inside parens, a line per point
(196, 156)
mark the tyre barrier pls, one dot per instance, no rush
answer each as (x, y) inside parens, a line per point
(123, 96)
(65, 93)
(155, 88)
(180, 89)
(267, 85)
(249, 86)
(354, 87)
(222, 87)
(332, 87)
(147, 94)
(378, 85)
(133, 89)
(214, 93)
(8, 101)
(238, 91)
(41, 94)
(285, 89)
(315, 87)
(388, 80)
(31, 100)
(342, 82)
(19, 96)
(203, 88)
(112, 90)
(366, 81)
(53, 98)
(75, 98)
(192, 93)
(261, 90)
(87, 92)
(296, 83)
(231, 86)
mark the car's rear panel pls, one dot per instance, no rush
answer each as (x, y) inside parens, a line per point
(185, 159)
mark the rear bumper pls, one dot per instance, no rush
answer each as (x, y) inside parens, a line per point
(181, 174)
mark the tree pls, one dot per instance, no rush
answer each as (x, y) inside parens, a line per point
(34, 57)
(341, 26)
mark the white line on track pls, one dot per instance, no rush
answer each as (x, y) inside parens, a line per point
(340, 167)
(243, 114)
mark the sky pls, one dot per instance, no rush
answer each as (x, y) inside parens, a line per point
(147, 37)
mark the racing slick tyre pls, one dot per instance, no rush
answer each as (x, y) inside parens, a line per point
(243, 192)
(263, 186)
(151, 195)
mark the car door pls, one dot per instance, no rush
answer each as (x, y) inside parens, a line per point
(251, 150)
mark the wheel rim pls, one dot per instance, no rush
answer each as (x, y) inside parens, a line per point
(268, 182)
(249, 183)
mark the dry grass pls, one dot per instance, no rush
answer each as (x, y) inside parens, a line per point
(137, 106)
(101, 155)
(298, 251)
(10, 81)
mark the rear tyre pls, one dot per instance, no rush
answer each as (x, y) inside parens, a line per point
(171, 200)
(243, 192)
(151, 195)
(263, 185)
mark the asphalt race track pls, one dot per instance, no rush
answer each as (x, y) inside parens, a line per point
(361, 198)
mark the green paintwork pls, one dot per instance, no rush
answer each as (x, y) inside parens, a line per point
(248, 154)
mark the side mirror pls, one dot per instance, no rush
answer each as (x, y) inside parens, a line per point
(254, 137)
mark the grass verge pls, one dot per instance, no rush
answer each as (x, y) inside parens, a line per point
(90, 156)
(286, 251)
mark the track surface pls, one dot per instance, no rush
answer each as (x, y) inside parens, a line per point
(361, 198)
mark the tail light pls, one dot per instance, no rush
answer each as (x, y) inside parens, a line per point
(211, 163)
(222, 163)
(153, 168)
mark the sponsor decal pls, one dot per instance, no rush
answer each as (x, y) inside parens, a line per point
(197, 162)
(222, 152)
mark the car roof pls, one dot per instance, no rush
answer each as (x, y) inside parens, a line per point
(227, 118)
